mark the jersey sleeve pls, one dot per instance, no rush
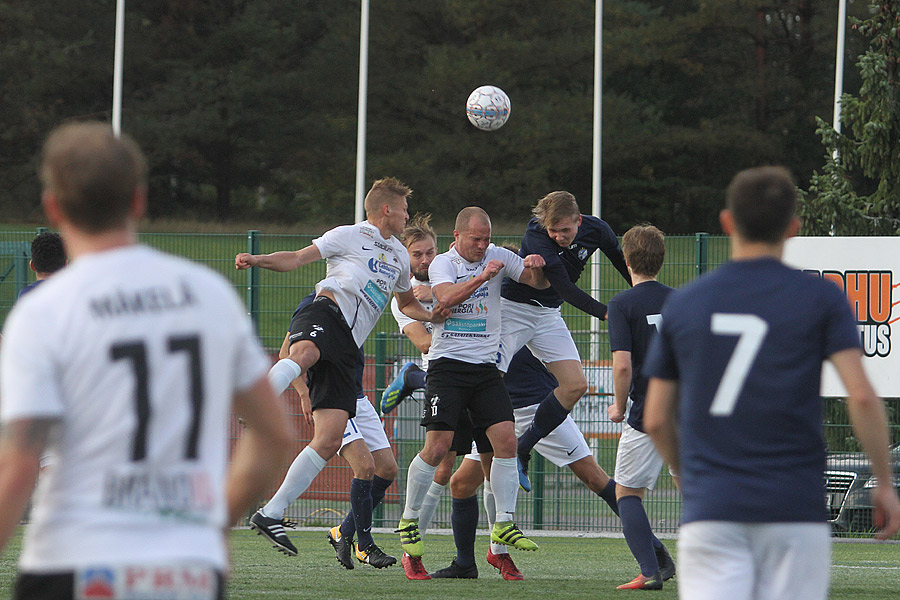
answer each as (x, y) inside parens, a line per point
(402, 319)
(29, 381)
(513, 264)
(441, 271)
(334, 241)
(609, 245)
(619, 327)
(250, 360)
(841, 332)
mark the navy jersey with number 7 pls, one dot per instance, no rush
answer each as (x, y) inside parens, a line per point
(746, 344)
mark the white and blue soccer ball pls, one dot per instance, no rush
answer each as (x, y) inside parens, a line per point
(488, 108)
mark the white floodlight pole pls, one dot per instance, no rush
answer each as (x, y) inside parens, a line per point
(117, 68)
(359, 214)
(595, 200)
(839, 64)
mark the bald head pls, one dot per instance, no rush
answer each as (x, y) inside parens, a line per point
(471, 216)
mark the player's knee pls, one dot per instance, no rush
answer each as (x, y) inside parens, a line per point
(463, 487)
(443, 472)
(387, 470)
(571, 392)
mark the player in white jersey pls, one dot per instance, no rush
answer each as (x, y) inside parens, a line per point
(366, 264)
(463, 376)
(127, 365)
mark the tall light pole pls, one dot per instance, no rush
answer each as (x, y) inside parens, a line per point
(117, 68)
(359, 213)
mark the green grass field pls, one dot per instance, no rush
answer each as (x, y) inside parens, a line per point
(563, 568)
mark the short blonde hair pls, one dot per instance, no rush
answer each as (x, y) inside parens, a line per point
(93, 174)
(417, 229)
(385, 191)
(554, 207)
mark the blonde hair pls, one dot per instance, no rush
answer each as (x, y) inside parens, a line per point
(644, 247)
(93, 174)
(385, 191)
(554, 207)
(417, 229)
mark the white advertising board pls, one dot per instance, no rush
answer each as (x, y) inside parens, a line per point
(865, 268)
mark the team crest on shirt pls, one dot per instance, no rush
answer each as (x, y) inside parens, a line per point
(583, 254)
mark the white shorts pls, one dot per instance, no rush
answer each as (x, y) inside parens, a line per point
(753, 561)
(562, 447)
(542, 329)
(637, 460)
(366, 426)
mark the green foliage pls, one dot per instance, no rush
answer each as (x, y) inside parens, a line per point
(858, 190)
(247, 108)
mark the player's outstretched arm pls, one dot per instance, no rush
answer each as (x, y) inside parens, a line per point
(21, 444)
(412, 308)
(419, 336)
(660, 409)
(869, 421)
(282, 261)
(264, 449)
(533, 275)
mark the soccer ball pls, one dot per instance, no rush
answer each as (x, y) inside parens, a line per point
(488, 108)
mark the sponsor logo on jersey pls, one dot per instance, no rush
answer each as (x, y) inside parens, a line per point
(377, 299)
(870, 294)
(380, 265)
(95, 583)
(180, 495)
(465, 325)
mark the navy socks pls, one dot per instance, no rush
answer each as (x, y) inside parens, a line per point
(638, 534)
(464, 521)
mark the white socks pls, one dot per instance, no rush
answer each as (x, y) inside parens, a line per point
(418, 480)
(490, 508)
(505, 485)
(429, 505)
(303, 470)
(282, 374)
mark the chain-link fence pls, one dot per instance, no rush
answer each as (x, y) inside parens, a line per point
(559, 500)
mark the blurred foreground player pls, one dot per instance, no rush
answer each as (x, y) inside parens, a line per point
(127, 365)
(733, 406)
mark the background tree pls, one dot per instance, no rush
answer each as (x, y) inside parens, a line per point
(247, 108)
(858, 191)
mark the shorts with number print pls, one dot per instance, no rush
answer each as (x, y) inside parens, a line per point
(454, 387)
(332, 380)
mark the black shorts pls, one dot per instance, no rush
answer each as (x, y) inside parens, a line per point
(454, 388)
(464, 435)
(332, 380)
(61, 586)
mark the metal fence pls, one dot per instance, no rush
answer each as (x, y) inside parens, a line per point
(559, 501)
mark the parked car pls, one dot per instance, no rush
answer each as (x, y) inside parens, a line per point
(848, 486)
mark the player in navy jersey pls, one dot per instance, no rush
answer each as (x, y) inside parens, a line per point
(565, 239)
(48, 255)
(633, 317)
(733, 406)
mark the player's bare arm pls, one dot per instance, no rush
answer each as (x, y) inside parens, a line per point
(411, 307)
(533, 275)
(622, 374)
(21, 444)
(264, 449)
(423, 293)
(869, 421)
(660, 409)
(419, 336)
(282, 261)
(451, 294)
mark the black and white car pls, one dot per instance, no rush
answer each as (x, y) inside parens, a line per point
(848, 487)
